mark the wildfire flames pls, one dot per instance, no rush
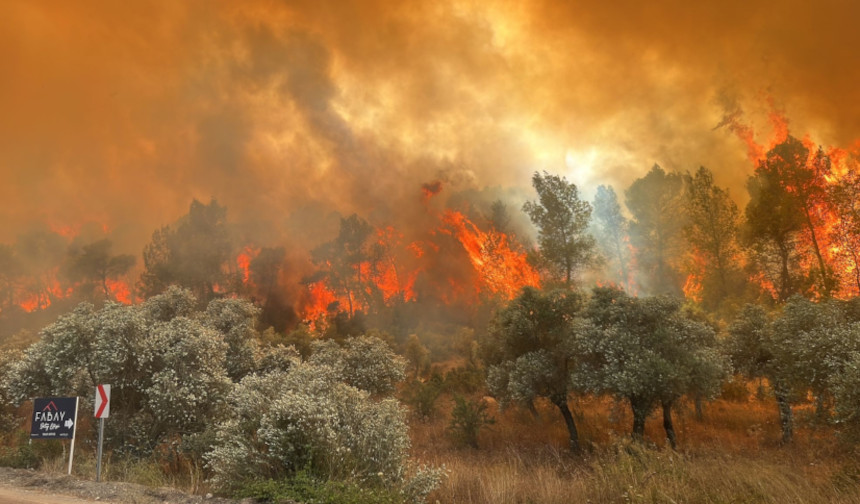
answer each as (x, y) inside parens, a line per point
(827, 243)
(498, 269)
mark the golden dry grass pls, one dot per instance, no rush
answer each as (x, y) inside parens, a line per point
(732, 456)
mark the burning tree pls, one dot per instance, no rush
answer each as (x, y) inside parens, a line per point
(98, 268)
(345, 259)
(195, 253)
(784, 217)
(711, 233)
(844, 195)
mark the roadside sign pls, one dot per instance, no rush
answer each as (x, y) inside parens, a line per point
(102, 402)
(54, 418)
(102, 411)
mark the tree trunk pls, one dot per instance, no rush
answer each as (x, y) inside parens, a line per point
(785, 274)
(568, 420)
(825, 280)
(530, 405)
(667, 424)
(700, 408)
(640, 414)
(785, 417)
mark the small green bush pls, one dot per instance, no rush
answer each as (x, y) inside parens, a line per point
(467, 419)
(22, 457)
(422, 397)
(464, 380)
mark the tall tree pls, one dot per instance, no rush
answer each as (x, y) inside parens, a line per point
(10, 272)
(95, 265)
(656, 204)
(562, 221)
(265, 271)
(845, 233)
(612, 232)
(192, 253)
(40, 253)
(500, 218)
(529, 351)
(711, 232)
(787, 194)
(344, 260)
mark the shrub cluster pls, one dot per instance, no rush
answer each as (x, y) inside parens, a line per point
(204, 382)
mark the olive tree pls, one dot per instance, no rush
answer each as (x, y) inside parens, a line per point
(529, 351)
(801, 349)
(645, 351)
(846, 391)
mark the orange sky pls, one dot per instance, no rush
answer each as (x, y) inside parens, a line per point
(286, 111)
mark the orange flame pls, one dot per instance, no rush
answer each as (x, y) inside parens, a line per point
(243, 261)
(500, 269)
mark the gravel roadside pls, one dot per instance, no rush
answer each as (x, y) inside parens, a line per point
(109, 491)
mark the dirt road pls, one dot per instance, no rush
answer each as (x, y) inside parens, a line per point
(21, 486)
(19, 496)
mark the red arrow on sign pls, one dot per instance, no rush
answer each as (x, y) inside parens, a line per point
(102, 402)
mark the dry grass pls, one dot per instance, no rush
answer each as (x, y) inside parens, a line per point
(733, 456)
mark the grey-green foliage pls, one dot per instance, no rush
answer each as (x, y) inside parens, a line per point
(365, 362)
(645, 350)
(530, 351)
(236, 320)
(845, 387)
(805, 347)
(167, 364)
(308, 419)
(806, 337)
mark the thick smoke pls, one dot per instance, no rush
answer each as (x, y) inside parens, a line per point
(292, 114)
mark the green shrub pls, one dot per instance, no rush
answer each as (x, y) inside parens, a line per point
(467, 419)
(465, 380)
(22, 457)
(422, 397)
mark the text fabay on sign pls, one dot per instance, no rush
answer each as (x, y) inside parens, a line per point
(54, 418)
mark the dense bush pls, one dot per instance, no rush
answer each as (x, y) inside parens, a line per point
(306, 419)
(206, 384)
(169, 366)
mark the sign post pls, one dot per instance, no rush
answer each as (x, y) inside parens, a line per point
(102, 411)
(55, 418)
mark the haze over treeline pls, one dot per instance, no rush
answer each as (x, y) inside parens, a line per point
(294, 116)
(287, 111)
